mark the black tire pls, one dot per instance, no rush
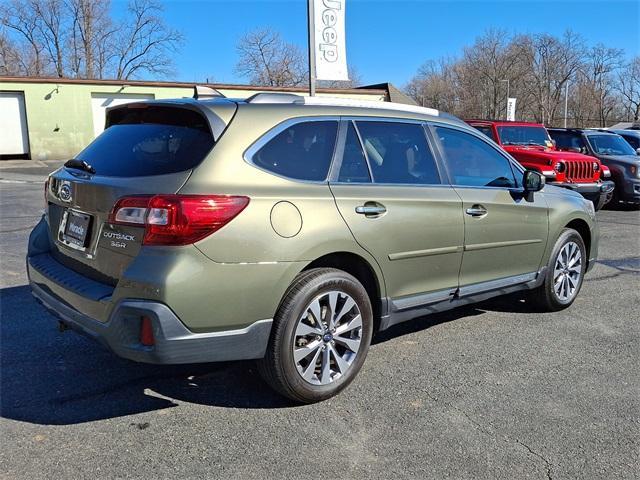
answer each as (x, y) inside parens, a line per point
(278, 367)
(545, 297)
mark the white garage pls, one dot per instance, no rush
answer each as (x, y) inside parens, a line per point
(101, 101)
(14, 137)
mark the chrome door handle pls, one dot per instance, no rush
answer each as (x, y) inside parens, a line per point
(476, 211)
(371, 209)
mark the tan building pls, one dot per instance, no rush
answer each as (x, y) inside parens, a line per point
(54, 118)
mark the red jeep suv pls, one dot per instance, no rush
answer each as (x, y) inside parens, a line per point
(531, 145)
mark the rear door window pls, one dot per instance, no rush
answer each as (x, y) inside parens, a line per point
(398, 153)
(473, 162)
(569, 141)
(486, 129)
(149, 141)
(302, 151)
(633, 141)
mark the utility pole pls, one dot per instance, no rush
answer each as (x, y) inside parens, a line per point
(566, 103)
(506, 102)
(312, 47)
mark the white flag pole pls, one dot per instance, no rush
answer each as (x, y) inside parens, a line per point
(312, 47)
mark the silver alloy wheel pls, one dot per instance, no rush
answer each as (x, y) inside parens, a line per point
(567, 271)
(327, 337)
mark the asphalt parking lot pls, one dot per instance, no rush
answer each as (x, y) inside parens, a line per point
(491, 391)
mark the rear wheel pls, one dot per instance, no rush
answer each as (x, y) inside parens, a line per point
(320, 337)
(564, 274)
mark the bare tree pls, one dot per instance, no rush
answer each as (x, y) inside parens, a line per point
(91, 20)
(147, 44)
(9, 56)
(53, 18)
(537, 69)
(266, 59)
(78, 38)
(629, 88)
(597, 81)
(436, 85)
(19, 17)
(490, 64)
(553, 62)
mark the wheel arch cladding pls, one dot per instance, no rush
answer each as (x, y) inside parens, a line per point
(583, 229)
(359, 268)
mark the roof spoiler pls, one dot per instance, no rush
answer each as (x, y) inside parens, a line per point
(202, 91)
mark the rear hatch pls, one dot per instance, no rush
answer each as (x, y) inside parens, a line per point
(146, 149)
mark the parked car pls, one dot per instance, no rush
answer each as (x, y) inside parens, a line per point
(612, 150)
(631, 136)
(289, 230)
(530, 144)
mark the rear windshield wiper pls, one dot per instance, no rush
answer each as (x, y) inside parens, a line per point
(80, 165)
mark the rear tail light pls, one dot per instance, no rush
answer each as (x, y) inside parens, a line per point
(177, 219)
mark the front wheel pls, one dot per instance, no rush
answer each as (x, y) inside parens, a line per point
(320, 338)
(564, 275)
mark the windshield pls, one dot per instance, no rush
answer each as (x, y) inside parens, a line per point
(610, 145)
(522, 135)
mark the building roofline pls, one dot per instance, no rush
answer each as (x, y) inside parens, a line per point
(217, 86)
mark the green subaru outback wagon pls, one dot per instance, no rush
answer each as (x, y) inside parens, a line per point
(291, 229)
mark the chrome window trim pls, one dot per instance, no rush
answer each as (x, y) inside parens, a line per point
(248, 154)
(395, 185)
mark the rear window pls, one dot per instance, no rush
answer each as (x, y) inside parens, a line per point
(302, 151)
(149, 141)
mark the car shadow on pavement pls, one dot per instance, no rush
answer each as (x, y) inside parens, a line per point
(53, 378)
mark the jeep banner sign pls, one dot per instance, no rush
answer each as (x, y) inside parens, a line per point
(329, 40)
(511, 109)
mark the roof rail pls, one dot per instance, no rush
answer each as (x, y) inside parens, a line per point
(337, 102)
(202, 91)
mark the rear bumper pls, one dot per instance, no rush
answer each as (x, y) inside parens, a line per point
(174, 343)
(597, 192)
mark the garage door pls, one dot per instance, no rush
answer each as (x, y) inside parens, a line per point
(14, 139)
(101, 101)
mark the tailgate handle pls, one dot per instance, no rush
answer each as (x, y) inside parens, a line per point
(371, 209)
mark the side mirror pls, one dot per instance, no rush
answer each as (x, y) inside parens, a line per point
(532, 181)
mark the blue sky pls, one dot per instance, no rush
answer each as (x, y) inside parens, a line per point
(389, 40)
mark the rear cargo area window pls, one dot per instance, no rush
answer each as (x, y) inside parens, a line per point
(149, 141)
(302, 151)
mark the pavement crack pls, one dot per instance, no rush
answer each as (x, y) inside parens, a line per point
(533, 452)
(491, 432)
